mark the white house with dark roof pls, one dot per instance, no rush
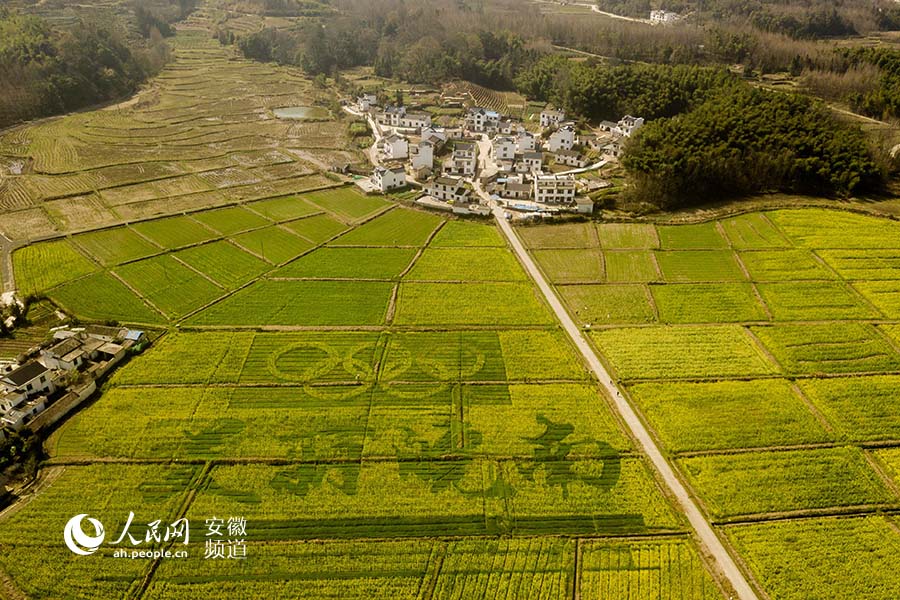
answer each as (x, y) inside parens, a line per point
(448, 189)
(571, 158)
(423, 157)
(365, 102)
(394, 147)
(386, 179)
(525, 142)
(530, 162)
(503, 148)
(551, 117)
(561, 139)
(32, 378)
(464, 160)
(482, 120)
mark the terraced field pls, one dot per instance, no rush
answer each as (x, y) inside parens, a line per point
(763, 352)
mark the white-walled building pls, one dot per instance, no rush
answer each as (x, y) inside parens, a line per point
(394, 147)
(561, 139)
(531, 162)
(365, 102)
(628, 125)
(417, 121)
(423, 158)
(663, 17)
(389, 178)
(464, 160)
(551, 117)
(571, 158)
(32, 378)
(482, 120)
(504, 148)
(391, 116)
(525, 142)
(448, 189)
(554, 189)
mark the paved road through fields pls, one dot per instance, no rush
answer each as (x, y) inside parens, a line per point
(708, 538)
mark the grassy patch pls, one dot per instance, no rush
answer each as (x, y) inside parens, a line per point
(630, 267)
(457, 234)
(569, 235)
(859, 408)
(346, 202)
(784, 265)
(224, 262)
(317, 228)
(702, 235)
(571, 266)
(283, 209)
(229, 221)
(102, 297)
(627, 236)
(753, 230)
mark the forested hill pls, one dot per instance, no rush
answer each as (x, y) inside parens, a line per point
(47, 69)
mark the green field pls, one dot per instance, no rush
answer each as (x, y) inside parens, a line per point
(399, 227)
(317, 228)
(457, 234)
(350, 263)
(699, 265)
(273, 244)
(224, 262)
(283, 209)
(708, 303)
(466, 264)
(859, 408)
(631, 266)
(117, 245)
(470, 304)
(174, 232)
(571, 266)
(101, 297)
(42, 266)
(169, 285)
(229, 221)
(608, 304)
(347, 203)
(784, 265)
(627, 235)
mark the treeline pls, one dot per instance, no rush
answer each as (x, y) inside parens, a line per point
(600, 91)
(159, 16)
(46, 70)
(744, 140)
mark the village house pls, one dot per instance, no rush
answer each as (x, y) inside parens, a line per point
(366, 102)
(32, 378)
(562, 139)
(394, 147)
(589, 140)
(503, 148)
(530, 162)
(391, 116)
(525, 142)
(482, 120)
(613, 149)
(515, 190)
(571, 158)
(423, 157)
(554, 189)
(552, 117)
(67, 355)
(448, 189)
(609, 126)
(415, 121)
(389, 178)
(16, 418)
(663, 17)
(629, 125)
(437, 137)
(463, 161)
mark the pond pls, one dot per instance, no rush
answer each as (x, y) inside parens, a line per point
(302, 112)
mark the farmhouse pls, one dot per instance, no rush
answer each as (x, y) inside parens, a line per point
(32, 378)
(571, 158)
(365, 102)
(552, 117)
(531, 162)
(423, 157)
(391, 116)
(448, 189)
(394, 147)
(554, 189)
(482, 120)
(663, 17)
(416, 121)
(386, 179)
(504, 148)
(515, 190)
(67, 355)
(562, 139)
(525, 142)
(463, 161)
(629, 125)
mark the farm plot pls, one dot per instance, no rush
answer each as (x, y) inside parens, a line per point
(571, 266)
(382, 570)
(814, 300)
(317, 228)
(349, 263)
(470, 304)
(699, 265)
(174, 232)
(570, 235)
(102, 297)
(466, 264)
(293, 303)
(820, 228)
(789, 557)
(627, 236)
(766, 482)
(679, 237)
(283, 209)
(708, 303)
(637, 569)
(784, 265)
(868, 264)
(608, 304)
(829, 348)
(885, 295)
(682, 352)
(637, 266)
(169, 285)
(456, 234)
(859, 408)
(229, 221)
(347, 203)
(40, 267)
(752, 231)
(398, 227)
(701, 416)
(117, 245)
(224, 263)
(273, 244)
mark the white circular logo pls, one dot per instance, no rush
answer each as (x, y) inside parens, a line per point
(78, 541)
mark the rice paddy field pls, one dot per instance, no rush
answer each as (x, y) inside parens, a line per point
(763, 352)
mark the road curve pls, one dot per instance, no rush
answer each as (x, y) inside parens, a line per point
(708, 538)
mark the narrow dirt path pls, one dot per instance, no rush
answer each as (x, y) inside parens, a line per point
(713, 545)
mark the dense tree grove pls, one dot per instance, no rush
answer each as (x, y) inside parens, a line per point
(745, 140)
(882, 99)
(600, 91)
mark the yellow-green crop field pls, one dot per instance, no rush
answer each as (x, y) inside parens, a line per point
(763, 351)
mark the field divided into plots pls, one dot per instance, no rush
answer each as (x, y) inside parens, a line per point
(204, 135)
(394, 412)
(763, 352)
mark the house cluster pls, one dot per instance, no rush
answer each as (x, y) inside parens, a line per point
(30, 387)
(623, 129)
